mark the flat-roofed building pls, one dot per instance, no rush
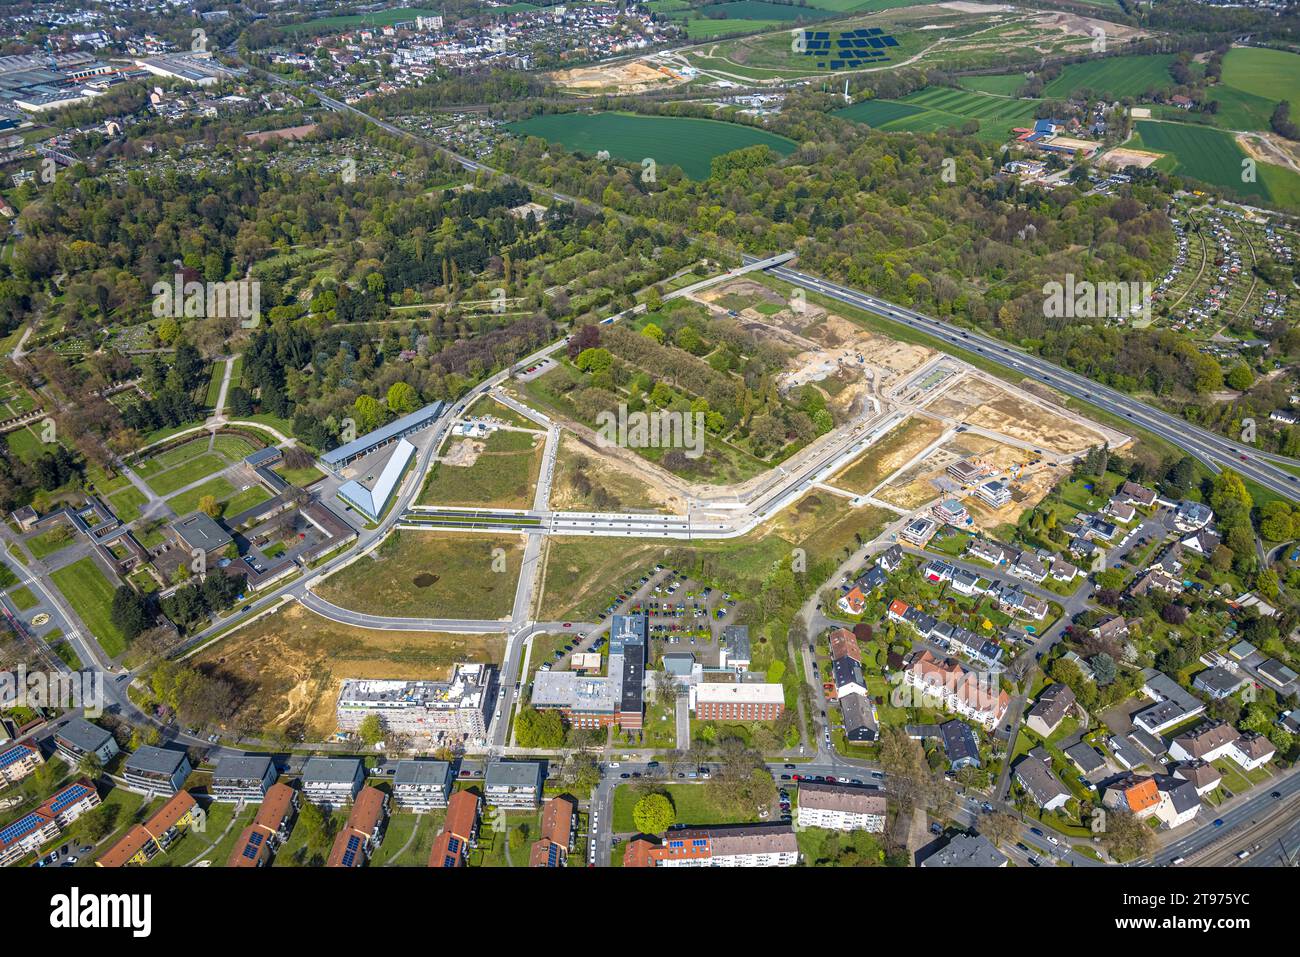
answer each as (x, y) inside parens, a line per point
(459, 831)
(595, 701)
(426, 710)
(144, 842)
(736, 651)
(153, 770)
(996, 493)
(513, 784)
(422, 785)
(332, 781)
(559, 826)
(363, 832)
(242, 777)
(270, 828)
(198, 533)
(372, 499)
(17, 761)
(392, 432)
(79, 737)
(966, 850)
(717, 701)
(841, 807)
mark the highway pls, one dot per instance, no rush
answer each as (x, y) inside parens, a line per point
(1213, 450)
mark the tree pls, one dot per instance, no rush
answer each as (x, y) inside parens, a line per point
(209, 506)
(1104, 669)
(903, 760)
(1240, 377)
(371, 731)
(1000, 827)
(539, 729)
(402, 398)
(654, 814)
(1127, 837)
(130, 612)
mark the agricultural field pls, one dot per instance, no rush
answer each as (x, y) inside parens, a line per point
(937, 108)
(1201, 152)
(289, 666)
(431, 575)
(681, 141)
(1113, 77)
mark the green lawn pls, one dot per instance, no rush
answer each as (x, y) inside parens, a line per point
(127, 503)
(23, 598)
(186, 502)
(186, 473)
(51, 541)
(695, 804)
(90, 593)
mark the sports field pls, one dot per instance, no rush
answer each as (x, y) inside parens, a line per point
(938, 108)
(1114, 76)
(669, 140)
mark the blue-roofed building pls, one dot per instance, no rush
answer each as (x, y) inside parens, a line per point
(397, 429)
(17, 761)
(372, 501)
(43, 824)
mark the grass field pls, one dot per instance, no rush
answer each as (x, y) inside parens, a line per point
(1253, 82)
(288, 666)
(127, 503)
(431, 575)
(1114, 76)
(23, 598)
(694, 803)
(186, 502)
(91, 595)
(503, 475)
(49, 542)
(938, 108)
(670, 140)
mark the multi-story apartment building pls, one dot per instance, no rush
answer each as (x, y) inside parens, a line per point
(29, 833)
(426, 710)
(718, 701)
(422, 785)
(363, 832)
(153, 770)
(841, 807)
(459, 831)
(79, 737)
(962, 691)
(143, 842)
(243, 777)
(559, 826)
(17, 761)
(332, 781)
(270, 828)
(513, 784)
(741, 845)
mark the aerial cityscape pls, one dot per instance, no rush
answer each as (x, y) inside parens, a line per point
(679, 433)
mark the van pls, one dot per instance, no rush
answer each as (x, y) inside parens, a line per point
(1242, 855)
(1176, 861)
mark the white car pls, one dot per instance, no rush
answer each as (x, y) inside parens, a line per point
(1053, 840)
